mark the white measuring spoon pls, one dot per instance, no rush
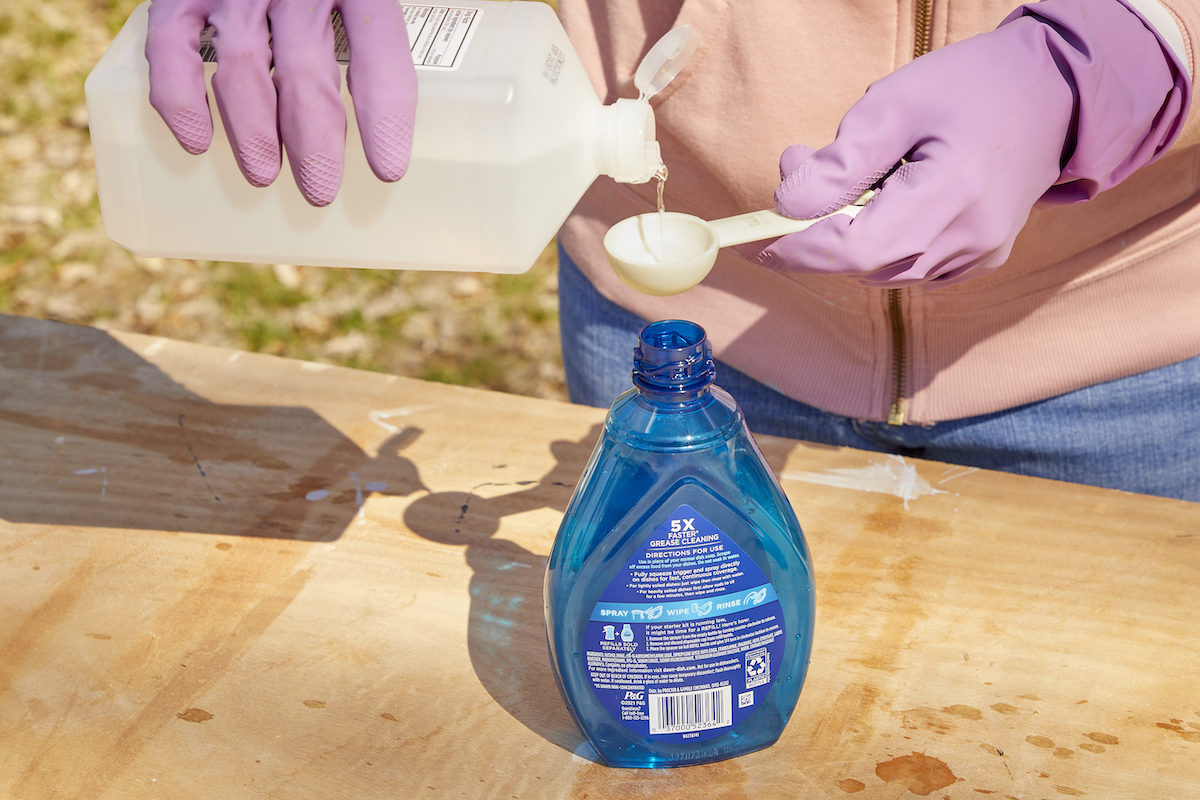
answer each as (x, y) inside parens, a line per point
(636, 245)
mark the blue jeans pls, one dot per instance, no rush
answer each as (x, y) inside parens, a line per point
(1140, 433)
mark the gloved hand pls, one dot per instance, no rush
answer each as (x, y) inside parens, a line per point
(301, 103)
(1065, 99)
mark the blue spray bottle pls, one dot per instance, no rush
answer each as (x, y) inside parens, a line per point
(679, 592)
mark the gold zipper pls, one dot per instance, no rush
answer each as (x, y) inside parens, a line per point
(922, 44)
(923, 28)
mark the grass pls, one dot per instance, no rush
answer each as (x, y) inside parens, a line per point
(497, 332)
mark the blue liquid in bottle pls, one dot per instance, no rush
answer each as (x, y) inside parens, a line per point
(679, 593)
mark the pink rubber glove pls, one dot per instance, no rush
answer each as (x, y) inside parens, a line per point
(301, 104)
(1064, 100)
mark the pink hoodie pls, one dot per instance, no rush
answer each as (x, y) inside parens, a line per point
(1091, 292)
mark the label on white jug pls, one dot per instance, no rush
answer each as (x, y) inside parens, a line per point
(685, 641)
(437, 35)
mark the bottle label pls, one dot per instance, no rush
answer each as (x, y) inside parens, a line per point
(684, 643)
(437, 35)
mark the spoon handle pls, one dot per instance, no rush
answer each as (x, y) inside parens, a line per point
(767, 224)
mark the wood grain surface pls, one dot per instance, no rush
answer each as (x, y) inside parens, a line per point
(226, 575)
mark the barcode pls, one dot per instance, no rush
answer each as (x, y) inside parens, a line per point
(341, 46)
(208, 53)
(681, 712)
(438, 36)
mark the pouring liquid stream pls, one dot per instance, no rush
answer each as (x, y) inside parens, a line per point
(661, 177)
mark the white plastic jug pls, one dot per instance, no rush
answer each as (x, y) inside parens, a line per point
(509, 135)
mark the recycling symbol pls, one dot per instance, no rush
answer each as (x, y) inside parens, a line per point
(758, 668)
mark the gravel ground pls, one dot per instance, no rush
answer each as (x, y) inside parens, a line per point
(498, 332)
